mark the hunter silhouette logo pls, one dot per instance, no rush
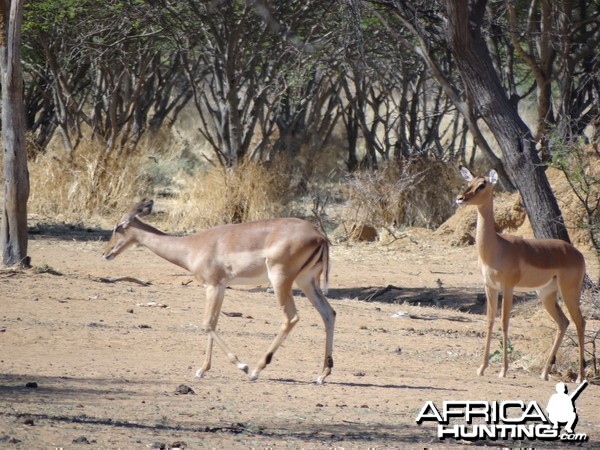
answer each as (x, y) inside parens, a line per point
(510, 419)
(561, 406)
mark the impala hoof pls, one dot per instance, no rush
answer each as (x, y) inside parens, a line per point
(254, 376)
(200, 373)
(242, 367)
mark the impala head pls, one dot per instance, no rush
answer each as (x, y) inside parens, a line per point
(479, 189)
(121, 238)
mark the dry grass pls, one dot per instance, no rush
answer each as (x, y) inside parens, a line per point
(534, 352)
(415, 193)
(90, 187)
(96, 189)
(251, 191)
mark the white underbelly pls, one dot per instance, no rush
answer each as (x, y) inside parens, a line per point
(260, 279)
(491, 281)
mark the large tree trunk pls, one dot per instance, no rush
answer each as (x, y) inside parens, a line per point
(516, 141)
(16, 177)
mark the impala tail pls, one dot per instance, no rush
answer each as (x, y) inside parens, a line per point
(326, 266)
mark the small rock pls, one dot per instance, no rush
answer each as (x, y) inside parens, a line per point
(355, 231)
(32, 385)
(183, 390)
(81, 440)
(10, 440)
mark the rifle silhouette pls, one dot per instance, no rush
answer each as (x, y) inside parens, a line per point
(580, 388)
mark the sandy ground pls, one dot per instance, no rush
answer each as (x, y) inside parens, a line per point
(88, 364)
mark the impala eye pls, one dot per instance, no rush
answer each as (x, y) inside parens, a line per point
(481, 186)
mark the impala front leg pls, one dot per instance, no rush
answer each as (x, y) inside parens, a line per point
(230, 355)
(214, 301)
(507, 301)
(492, 308)
(207, 359)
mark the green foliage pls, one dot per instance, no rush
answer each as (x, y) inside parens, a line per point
(45, 268)
(580, 163)
(510, 352)
(46, 15)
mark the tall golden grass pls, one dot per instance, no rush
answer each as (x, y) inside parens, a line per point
(88, 187)
(93, 187)
(249, 191)
(413, 192)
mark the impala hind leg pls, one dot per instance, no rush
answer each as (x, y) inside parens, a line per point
(318, 300)
(492, 309)
(214, 302)
(283, 291)
(571, 301)
(550, 302)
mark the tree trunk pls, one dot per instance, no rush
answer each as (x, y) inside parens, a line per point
(16, 177)
(516, 142)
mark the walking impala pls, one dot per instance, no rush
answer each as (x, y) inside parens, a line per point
(282, 251)
(510, 263)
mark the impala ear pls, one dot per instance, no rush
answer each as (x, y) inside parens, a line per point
(140, 209)
(123, 222)
(493, 176)
(466, 173)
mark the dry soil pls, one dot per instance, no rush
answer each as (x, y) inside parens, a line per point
(90, 364)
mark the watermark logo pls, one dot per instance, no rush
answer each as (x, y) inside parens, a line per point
(511, 419)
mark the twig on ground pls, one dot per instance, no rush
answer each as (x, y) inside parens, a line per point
(116, 279)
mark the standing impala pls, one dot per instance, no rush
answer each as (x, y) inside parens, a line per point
(510, 263)
(282, 251)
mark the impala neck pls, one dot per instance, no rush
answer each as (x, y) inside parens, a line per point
(486, 237)
(171, 248)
